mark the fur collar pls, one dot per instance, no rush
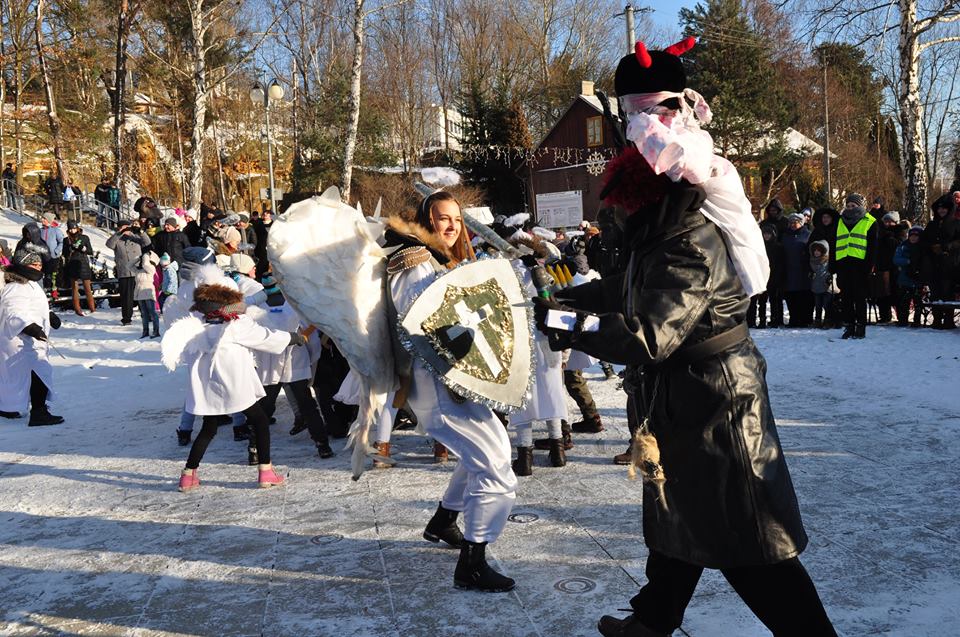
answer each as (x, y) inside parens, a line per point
(9, 276)
(402, 233)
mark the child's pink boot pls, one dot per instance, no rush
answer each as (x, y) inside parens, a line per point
(189, 480)
(268, 477)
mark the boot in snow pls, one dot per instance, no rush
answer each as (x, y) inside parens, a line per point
(241, 432)
(443, 526)
(590, 425)
(625, 457)
(558, 458)
(543, 444)
(298, 426)
(474, 574)
(183, 437)
(628, 627)
(324, 450)
(383, 450)
(188, 480)
(860, 331)
(146, 333)
(848, 332)
(523, 465)
(43, 418)
(267, 477)
(440, 454)
(9, 414)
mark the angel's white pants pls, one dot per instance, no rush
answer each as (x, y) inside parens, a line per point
(385, 424)
(525, 432)
(483, 485)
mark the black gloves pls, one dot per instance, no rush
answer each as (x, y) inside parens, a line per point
(559, 340)
(529, 260)
(34, 331)
(298, 339)
(54, 320)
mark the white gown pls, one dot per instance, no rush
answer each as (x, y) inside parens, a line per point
(483, 485)
(20, 305)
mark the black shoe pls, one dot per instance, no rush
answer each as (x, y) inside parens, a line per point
(543, 444)
(241, 432)
(443, 526)
(9, 414)
(155, 335)
(324, 450)
(860, 331)
(183, 437)
(145, 334)
(125, 322)
(627, 627)
(43, 418)
(474, 574)
(298, 426)
(523, 465)
(588, 425)
(253, 456)
(848, 332)
(557, 456)
(404, 421)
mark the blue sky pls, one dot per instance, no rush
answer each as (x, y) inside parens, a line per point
(665, 12)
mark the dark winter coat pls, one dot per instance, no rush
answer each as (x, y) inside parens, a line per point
(796, 260)
(773, 216)
(260, 230)
(32, 241)
(76, 254)
(886, 247)
(730, 501)
(53, 187)
(127, 248)
(172, 243)
(102, 193)
(195, 234)
(821, 232)
(942, 232)
(908, 258)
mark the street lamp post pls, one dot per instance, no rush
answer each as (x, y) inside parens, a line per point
(263, 95)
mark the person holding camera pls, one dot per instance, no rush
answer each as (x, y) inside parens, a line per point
(128, 243)
(76, 253)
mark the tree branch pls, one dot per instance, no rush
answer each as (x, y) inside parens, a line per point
(949, 12)
(150, 50)
(926, 45)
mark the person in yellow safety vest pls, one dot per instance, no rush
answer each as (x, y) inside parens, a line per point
(854, 258)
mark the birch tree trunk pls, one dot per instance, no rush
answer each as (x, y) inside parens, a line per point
(346, 175)
(201, 97)
(911, 114)
(119, 94)
(53, 119)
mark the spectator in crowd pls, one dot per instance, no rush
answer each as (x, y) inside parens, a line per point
(821, 281)
(956, 204)
(101, 195)
(32, 240)
(796, 268)
(773, 215)
(76, 253)
(52, 235)
(145, 294)
(53, 188)
(941, 242)
(877, 210)
(853, 260)
(171, 241)
(757, 312)
(9, 177)
(248, 236)
(114, 196)
(825, 227)
(192, 230)
(149, 212)
(261, 228)
(909, 259)
(170, 283)
(128, 243)
(885, 290)
(71, 202)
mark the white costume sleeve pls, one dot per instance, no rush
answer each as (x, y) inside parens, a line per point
(244, 331)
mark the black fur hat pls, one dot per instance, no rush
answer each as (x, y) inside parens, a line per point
(653, 71)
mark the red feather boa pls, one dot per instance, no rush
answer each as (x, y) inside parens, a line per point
(636, 186)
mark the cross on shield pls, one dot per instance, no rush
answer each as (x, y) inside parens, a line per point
(470, 327)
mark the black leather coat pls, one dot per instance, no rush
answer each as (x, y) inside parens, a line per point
(729, 498)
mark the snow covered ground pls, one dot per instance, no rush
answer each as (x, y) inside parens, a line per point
(95, 539)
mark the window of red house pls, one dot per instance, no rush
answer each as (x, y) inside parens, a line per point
(595, 131)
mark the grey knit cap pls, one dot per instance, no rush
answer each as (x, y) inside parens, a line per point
(893, 216)
(857, 198)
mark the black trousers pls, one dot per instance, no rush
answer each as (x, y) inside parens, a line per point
(941, 289)
(908, 295)
(127, 286)
(758, 309)
(305, 402)
(781, 595)
(38, 394)
(256, 420)
(800, 304)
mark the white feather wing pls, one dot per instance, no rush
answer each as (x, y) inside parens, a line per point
(332, 271)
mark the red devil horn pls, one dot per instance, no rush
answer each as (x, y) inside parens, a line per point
(640, 50)
(681, 47)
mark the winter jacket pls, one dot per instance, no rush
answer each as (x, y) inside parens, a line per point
(796, 260)
(941, 242)
(820, 276)
(101, 194)
(775, 257)
(195, 234)
(146, 270)
(887, 244)
(53, 237)
(773, 216)
(22, 302)
(260, 230)
(127, 248)
(826, 233)
(53, 187)
(33, 242)
(76, 254)
(729, 500)
(909, 260)
(171, 279)
(173, 243)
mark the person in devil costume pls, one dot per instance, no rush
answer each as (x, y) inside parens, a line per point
(716, 489)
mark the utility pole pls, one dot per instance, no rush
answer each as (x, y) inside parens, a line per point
(629, 12)
(826, 137)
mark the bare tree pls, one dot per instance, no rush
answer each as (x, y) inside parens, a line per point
(56, 129)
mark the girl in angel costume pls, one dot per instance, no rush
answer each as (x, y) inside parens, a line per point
(218, 348)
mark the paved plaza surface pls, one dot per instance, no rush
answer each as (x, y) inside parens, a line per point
(95, 539)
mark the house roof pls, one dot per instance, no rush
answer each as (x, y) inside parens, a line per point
(594, 103)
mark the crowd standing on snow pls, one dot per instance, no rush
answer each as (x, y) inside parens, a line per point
(833, 268)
